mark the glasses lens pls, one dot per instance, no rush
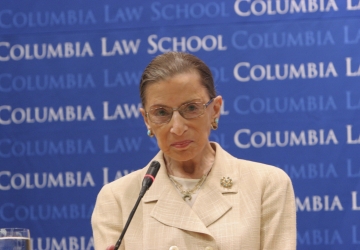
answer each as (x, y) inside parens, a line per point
(191, 110)
(160, 115)
(164, 114)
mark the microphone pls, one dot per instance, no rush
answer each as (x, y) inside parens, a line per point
(147, 182)
(149, 177)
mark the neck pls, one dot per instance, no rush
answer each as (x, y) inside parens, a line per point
(194, 168)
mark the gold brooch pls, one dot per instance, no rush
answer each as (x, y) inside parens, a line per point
(226, 182)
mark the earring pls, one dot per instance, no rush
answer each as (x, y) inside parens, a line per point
(214, 125)
(150, 133)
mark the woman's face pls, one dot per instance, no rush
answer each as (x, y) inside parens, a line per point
(181, 139)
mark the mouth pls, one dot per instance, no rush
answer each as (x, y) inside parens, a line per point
(181, 144)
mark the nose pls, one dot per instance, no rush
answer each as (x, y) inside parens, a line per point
(177, 123)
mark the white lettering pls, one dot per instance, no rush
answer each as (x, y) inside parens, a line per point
(350, 139)
(246, 8)
(244, 72)
(49, 114)
(192, 44)
(244, 138)
(18, 52)
(19, 181)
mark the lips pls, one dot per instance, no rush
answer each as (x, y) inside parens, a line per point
(181, 144)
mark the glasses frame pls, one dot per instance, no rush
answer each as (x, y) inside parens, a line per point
(205, 105)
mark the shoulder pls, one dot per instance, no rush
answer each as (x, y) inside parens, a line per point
(267, 181)
(126, 186)
(254, 171)
(261, 169)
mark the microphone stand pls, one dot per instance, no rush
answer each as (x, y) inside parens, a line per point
(118, 243)
(147, 182)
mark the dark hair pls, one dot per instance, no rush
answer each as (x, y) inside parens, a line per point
(172, 63)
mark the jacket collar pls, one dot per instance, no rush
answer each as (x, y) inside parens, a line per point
(210, 204)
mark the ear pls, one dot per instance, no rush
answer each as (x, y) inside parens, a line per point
(217, 106)
(146, 120)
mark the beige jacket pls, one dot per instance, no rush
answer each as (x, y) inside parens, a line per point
(257, 212)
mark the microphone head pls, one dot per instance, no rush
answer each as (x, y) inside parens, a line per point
(153, 168)
(151, 174)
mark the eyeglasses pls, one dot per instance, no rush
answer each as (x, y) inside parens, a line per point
(163, 114)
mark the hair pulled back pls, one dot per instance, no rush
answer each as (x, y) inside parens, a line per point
(172, 63)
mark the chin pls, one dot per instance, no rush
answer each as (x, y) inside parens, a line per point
(183, 155)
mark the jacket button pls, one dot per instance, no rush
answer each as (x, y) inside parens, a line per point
(173, 248)
(208, 248)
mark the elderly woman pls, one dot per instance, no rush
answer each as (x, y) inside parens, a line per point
(202, 198)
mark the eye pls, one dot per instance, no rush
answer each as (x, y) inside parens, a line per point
(160, 112)
(191, 107)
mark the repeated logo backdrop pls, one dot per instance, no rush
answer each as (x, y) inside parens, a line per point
(288, 70)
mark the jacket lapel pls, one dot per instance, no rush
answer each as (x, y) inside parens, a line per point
(209, 206)
(170, 209)
(173, 211)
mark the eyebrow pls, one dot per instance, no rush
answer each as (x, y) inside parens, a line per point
(161, 105)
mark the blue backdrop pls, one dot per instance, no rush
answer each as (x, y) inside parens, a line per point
(288, 70)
